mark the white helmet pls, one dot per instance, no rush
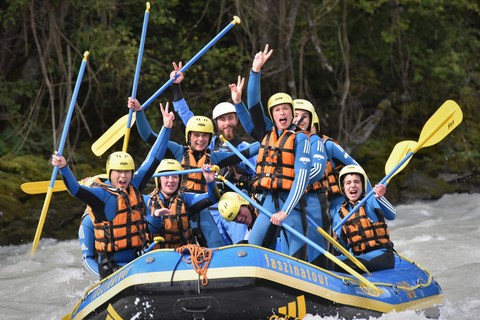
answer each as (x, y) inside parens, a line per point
(223, 108)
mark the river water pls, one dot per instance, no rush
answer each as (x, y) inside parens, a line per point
(442, 236)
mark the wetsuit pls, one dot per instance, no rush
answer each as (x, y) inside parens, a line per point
(222, 159)
(382, 257)
(317, 204)
(240, 174)
(104, 203)
(86, 236)
(274, 200)
(192, 201)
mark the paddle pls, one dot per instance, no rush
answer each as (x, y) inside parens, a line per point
(42, 186)
(337, 245)
(113, 134)
(137, 74)
(301, 236)
(238, 153)
(445, 119)
(60, 150)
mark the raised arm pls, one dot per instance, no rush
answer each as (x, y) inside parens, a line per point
(156, 154)
(144, 128)
(179, 104)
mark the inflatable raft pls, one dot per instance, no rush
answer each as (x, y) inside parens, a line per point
(250, 282)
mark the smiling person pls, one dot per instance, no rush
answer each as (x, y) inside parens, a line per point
(365, 233)
(283, 164)
(225, 118)
(117, 204)
(199, 133)
(175, 207)
(234, 209)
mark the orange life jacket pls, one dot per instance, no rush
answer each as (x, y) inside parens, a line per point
(329, 180)
(128, 229)
(194, 182)
(363, 235)
(175, 229)
(276, 161)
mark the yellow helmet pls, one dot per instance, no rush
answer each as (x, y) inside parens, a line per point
(229, 205)
(316, 122)
(279, 98)
(199, 124)
(120, 161)
(168, 165)
(302, 104)
(350, 169)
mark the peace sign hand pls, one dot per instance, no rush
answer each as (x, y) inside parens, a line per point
(260, 59)
(236, 90)
(168, 117)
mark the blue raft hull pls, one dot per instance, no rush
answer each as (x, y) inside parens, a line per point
(249, 282)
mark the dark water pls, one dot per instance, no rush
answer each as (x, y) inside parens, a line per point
(442, 236)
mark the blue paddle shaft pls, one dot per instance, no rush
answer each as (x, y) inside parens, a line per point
(361, 203)
(189, 63)
(269, 214)
(139, 64)
(172, 173)
(69, 118)
(239, 154)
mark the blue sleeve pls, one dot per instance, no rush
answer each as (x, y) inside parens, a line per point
(86, 236)
(261, 123)
(387, 208)
(244, 117)
(253, 89)
(319, 159)
(177, 150)
(193, 198)
(151, 162)
(181, 107)
(303, 163)
(144, 128)
(90, 196)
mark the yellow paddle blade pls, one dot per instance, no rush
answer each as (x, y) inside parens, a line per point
(43, 215)
(445, 119)
(343, 250)
(42, 187)
(112, 135)
(398, 153)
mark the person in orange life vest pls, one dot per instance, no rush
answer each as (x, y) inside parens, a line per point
(225, 119)
(304, 114)
(198, 134)
(365, 233)
(118, 202)
(283, 165)
(175, 207)
(233, 208)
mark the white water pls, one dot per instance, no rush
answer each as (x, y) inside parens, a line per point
(442, 236)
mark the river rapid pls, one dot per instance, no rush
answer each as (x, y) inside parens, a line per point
(442, 236)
